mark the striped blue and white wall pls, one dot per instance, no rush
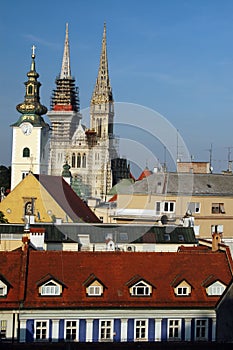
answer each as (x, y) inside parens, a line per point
(122, 329)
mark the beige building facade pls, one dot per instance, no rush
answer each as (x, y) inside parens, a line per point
(204, 201)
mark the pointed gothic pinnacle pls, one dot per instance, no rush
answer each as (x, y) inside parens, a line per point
(102, 91)
(65, 69)
(103, 68)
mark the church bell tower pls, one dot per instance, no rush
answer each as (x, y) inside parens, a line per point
(30, 132)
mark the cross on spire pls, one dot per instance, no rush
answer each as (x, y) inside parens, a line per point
(33, 50)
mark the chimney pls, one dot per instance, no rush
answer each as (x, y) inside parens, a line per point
(25, 241)
(216, 240)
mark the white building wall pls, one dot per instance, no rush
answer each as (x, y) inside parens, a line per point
(34, 163)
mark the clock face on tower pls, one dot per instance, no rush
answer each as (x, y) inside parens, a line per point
(26, 128)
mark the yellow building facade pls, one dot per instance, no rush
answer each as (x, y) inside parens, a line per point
(44, 198)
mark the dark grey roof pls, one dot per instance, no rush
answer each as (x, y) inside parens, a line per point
(119, 233)
(183, 183)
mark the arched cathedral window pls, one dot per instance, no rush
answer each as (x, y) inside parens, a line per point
(26, 152)
(84, 163)
(73, 160)
(79, 160)
(99, 126)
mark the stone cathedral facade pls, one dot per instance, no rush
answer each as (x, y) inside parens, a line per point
(86, 156)
(90, 153)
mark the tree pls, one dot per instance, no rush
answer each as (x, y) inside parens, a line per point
(5, 177)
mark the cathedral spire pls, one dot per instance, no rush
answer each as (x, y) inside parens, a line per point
(66, 95)
(102, 91)
(65, 69)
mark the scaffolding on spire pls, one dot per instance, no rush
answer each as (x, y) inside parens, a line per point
(66, 95)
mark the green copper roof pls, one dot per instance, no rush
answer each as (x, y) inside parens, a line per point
(66, 170)
(31, 109)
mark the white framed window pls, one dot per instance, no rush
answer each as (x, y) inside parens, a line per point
(41, 330)
(216, 229)
(71, 330)
(106, 330)
(141, 289)
(164, 207)
(94, 290)
(3, 328)
(194, 207)
(217, 288)
(51, 288)
(3, 289)
(201, 329)
(182, 291)
(218, 208)
(157, 208)
(141, 328)
(174, 329)
(169, 207)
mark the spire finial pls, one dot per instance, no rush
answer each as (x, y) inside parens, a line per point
(33, 51)
(33, 66)
(65, 69)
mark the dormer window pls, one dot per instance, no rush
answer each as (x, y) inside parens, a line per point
(3, 289)
(93, 286)
(141, 288)
(95, 289)
(183, 289)
(51, 288)
(217, 288)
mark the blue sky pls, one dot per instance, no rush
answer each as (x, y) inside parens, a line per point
(172, 56)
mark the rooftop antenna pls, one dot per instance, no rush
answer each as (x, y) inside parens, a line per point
(229, 159)
(211, 155)
(165, 158)
(177, 145)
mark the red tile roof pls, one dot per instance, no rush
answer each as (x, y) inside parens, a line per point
(146, 172)
(115, 269)
(113, 198)
(12, 272)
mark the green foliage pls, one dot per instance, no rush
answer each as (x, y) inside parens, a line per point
(3, 220)
(5, 177)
